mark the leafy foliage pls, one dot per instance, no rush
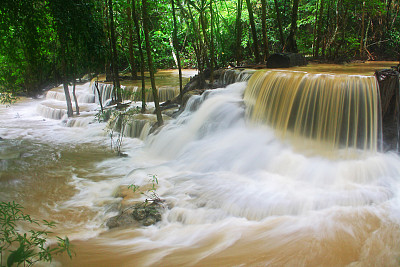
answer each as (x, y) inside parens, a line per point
(32, 32)
(116, 121)
(153, 202)
(27, 248)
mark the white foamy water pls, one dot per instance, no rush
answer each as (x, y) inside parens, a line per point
(235, 194)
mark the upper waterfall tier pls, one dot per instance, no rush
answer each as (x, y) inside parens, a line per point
(331, 111)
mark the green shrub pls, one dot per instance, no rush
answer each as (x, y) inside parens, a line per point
(27, 248)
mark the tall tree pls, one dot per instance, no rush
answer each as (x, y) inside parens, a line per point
(319, 28)
(62, 23)
(279, 21)
(176, 47)
(212, 52)
(253, 31)
(291, 45)
(264, 29)
(198, 47)
(238, 31)
(362, 34)
(146, 22)
(130, 42)
(74, 93)
(139, 41)
(114, 57)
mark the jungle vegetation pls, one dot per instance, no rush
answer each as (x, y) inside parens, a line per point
(44, 42)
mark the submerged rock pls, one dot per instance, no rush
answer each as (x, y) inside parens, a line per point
(145, 214)
(123, 219)
(133, 213)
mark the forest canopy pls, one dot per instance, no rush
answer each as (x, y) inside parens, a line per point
(44, 42)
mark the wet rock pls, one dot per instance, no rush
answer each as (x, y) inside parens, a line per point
(133, 213)
(388, 80)
(147, 214)
(138, 214)
(286, 60)
(149, 221)
(124, 219)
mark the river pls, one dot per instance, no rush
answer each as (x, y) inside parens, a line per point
(235, 193)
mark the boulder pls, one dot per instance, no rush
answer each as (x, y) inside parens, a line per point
(388, 80)
(286, 60)
(389, 86)
(123, 219)
(133, 213)
(145, 214)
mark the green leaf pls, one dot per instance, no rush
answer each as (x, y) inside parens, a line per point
(19, 255)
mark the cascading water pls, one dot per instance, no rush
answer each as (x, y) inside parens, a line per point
(334, 111)
(54, 106)
(235, 192)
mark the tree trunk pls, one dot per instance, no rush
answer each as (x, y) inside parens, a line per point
(278, 18)
(137, 27)
(264, 29)
(74, 94)
(253, 31)
(291, 41)
(196, 42)
(319, 37)
(99, 94)
(176, 47)
(341, 22)
(238, 31)
(130, 44)
(150, 61)
(362, 30)
(329, 25)
(199, 49)
(315, 30)
(107, 67)
(114, 58)
(212, 43)
(206, 43)
(70, 111)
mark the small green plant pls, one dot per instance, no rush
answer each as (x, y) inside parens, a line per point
(116, 121)
(27, 248)
(116, 127)
(151, 195)
(103, 116)
(148, 211)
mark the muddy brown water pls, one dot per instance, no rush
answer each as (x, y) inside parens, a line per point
(236, 194)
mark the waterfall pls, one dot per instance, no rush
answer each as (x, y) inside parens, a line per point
(236, 193)
(229, 76)
(139, 125)
(321, 110)
(105, 90)
(54, 106)
(133, 92)
(164, 93)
